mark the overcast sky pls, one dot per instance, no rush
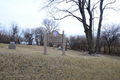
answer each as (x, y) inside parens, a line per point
(26, 14)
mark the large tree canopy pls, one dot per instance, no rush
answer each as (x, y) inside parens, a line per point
(82, 10)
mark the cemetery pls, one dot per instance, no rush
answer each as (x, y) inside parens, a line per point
(53, 60)
(59, 40)
(34, 62)
(28, 62)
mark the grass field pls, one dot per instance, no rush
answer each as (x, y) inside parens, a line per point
(29, 63)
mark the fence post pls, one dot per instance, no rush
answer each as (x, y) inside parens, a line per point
(63, 52)
(45, 43)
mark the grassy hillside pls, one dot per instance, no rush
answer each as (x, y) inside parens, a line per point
(29, 63)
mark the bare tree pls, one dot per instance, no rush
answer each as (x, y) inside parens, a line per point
(67, 41)
(28, 36)
(82, 10)
(110, 34)
(51, 25)
(14, 30)
(78, 43)
(3, 33)
(39, 35)
(19, 37)
(102, 7)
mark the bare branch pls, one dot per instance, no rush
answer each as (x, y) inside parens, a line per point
(108, 4)
(75, 2)
(90, 14)
(112, 8)
(95, 5)
(60, 17)
(74, 15)
(50, 25)
(52, 2)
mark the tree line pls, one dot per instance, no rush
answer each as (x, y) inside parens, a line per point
(17, 35)
(109, 40)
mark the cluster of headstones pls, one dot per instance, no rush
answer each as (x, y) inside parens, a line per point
(12, 45)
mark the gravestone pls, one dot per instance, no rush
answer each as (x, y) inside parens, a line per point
(12, 45)
(59, 48)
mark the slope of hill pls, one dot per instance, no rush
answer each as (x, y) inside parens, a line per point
(29, 63)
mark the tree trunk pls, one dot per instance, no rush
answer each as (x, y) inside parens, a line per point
(41, 43)
(36, 41)
(90, 41)
(98, 37)
(88, 28)
(104, 48)
(18, 41)
(109, 49)
(99, 28)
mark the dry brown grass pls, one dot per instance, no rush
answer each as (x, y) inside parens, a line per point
(29, 63)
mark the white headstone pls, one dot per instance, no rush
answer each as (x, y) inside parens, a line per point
(59, 48)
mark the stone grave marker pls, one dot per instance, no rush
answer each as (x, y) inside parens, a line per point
(12, 45)
(59, 48)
